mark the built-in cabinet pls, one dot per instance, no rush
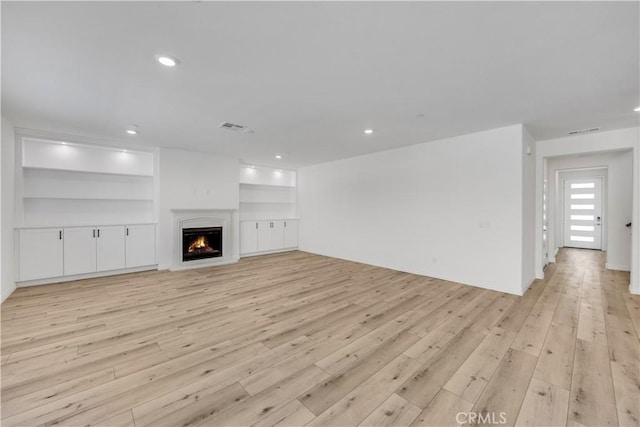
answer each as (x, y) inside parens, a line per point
(268, 205)
(268, 235)
(85, 210)
(40, 253)
(69, 251)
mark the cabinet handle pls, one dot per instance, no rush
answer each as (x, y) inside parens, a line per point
(256, 225)
(285, 224)
(60, 235)
(98, 232)
(127, 231)
(94, 233)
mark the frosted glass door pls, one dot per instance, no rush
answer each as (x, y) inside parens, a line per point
(583, 213)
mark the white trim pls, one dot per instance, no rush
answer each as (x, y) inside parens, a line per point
(618, 267)
(250, 254)
(61, 279)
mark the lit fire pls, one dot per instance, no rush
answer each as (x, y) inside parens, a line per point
(199, 243)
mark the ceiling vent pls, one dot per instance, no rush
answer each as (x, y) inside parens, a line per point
(232, 127)
(581, 131)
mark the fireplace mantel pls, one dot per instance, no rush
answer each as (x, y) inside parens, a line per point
(194, 218)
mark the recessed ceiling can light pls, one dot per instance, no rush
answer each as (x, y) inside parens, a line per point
(368, 131)
(132, 131)
(636, 109)
(278, 156)
(167, 61)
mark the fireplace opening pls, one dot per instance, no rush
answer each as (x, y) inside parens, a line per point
(200, 243)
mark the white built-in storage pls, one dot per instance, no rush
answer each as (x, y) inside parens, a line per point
(84, 209)
(69, 251)
(268, 210)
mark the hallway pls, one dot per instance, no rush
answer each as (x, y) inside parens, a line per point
(590, 353)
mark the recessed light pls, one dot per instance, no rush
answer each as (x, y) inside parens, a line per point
(368, 131)
(132, 131)
(167, 61)
(278, 156)
(636, 109)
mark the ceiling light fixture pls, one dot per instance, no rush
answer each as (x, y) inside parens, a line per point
(167, 61)
(278, 156)
(636, 109)
(132, 130)
(368, 131)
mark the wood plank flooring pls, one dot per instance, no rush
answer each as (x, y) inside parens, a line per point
(298, 339)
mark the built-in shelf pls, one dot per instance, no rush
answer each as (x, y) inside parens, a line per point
(268, 203)
(267, 193)
(114, 199)
(79, 184)
(88, 172)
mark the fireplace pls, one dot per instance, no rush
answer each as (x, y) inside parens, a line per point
(201, 243)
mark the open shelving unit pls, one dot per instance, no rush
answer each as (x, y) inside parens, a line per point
(267, 193)
(75, 184)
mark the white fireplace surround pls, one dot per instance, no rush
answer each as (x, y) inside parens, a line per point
(193, 218)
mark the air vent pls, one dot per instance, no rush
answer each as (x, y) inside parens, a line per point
(580, 131)
(232, 127)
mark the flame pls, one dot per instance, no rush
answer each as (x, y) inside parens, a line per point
(199, 243)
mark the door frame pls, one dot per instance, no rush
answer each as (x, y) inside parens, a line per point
(615, 140)
(564, 175)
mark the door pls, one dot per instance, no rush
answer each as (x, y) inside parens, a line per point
(140, 248)
(277, 235)
(583, 213)
(110, 248)
(248, 237)
(291, 233)
(264, 236)
(40, 253)
(79, 250)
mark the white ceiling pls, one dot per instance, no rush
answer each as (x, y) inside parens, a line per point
(309, 77)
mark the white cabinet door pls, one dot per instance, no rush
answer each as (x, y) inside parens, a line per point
(40, 253)
(277, 235)
(264, 236)
(79, 250)
(291, 233)
(110, 247)
(248, 237)
(141, 245)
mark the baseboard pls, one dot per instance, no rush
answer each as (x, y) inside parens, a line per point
(61, 279)
(633, 291)
(4, 297)
(193, 267)
(267, 252)
(618, 267)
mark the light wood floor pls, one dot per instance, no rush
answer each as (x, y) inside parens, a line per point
(299, 339)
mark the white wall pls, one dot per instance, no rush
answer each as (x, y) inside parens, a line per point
(193, 180)
(7, 155)
(450, 209)
(621, 139)
(618, 196)
(528, 208)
